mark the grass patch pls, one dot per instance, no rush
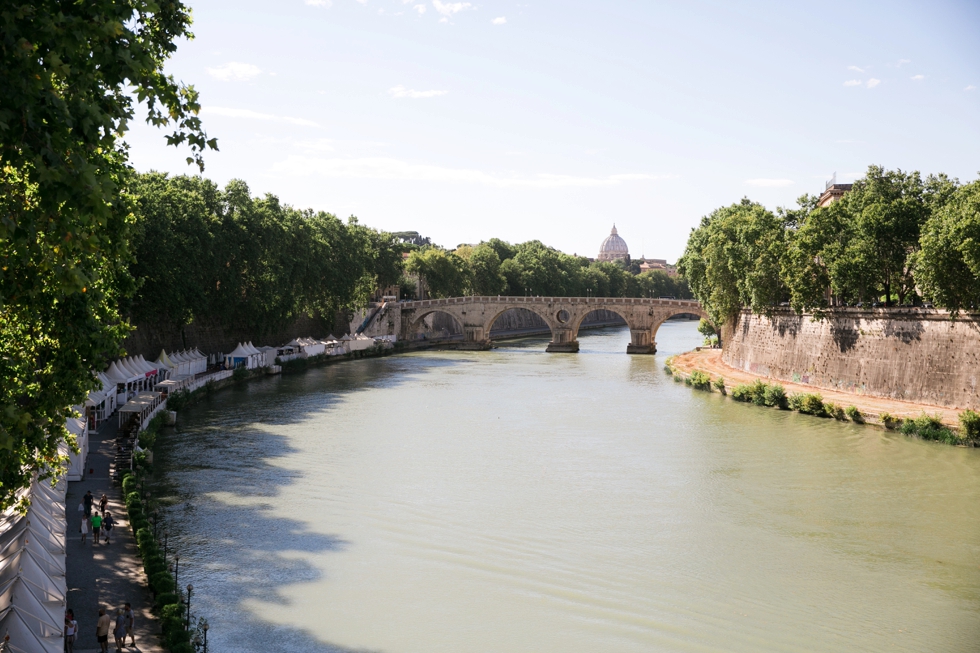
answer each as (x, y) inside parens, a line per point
(854, 414)
(719, 384)
(835, 411)
(807, 403)
(929, 427)
(700, 381)
(970, 424)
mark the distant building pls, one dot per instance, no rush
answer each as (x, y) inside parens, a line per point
(833, 191)
(647, 264)
(613, 248)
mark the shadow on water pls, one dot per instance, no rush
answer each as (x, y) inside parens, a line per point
(221, 476)
(218, 488)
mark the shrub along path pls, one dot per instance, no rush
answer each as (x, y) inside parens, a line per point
(709, 361)
(105, 575)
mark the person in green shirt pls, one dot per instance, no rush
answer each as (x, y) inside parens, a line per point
(96, 527)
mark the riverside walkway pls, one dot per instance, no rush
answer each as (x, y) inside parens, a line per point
(101, 575)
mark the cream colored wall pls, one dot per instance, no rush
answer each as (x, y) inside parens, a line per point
(909, 354)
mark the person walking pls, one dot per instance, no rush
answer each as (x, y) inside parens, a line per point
(96, 527)
(71, 628)
(103, 504)
(88, 499)
(107, 523)
(130, 624)
(119, 632)
(102, 630)
(84, 528)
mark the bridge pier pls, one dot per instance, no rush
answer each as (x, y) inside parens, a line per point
(475, 338)
(563, 341)
(641, 342)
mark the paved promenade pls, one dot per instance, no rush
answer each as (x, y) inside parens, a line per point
(105, 575)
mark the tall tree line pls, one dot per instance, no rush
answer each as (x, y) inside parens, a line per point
(248, 264)
(495, 267)
(895, 239)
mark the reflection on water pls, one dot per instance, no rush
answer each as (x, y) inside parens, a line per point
(515, 500)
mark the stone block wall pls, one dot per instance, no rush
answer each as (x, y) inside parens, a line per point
(910, 354)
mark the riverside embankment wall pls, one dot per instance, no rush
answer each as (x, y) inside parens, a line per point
(149, 339)
(910, 354)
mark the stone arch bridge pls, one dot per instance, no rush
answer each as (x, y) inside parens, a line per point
(563, 315)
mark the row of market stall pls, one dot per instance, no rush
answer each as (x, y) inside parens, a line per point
(250, 357)
(33, 587)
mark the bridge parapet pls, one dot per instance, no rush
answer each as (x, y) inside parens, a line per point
(563, 315)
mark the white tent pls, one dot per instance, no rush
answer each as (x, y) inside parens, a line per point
(122, 377)
(201, 361)
(183, 363)
(240, 357)
(32, 570)
(360, 342)
(76, 462)
(258, 358)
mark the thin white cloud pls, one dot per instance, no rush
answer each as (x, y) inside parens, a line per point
(450, 8)
(397, 170)
(499, 20)
(235, 71)
(443, 20)
(902, 62)
(852, 82)
(400, 92)
(420, 9)
(856, 69)
(769, 183)
(971, 87)
(318, 3)
(873, 82)
(255, 115)
(918, 78)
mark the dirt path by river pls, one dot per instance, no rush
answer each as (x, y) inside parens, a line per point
(709, 361)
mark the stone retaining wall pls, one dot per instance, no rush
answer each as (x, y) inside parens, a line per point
(909, 354)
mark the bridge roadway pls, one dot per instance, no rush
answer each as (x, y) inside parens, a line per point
(563, 315)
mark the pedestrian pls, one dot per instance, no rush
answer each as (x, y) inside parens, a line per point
(87, 500)
(130, 624)
(102, 630)
(84, 529)
(119, 632)
(96, 527)
(103, 504)
(71, 628)
(107, 523)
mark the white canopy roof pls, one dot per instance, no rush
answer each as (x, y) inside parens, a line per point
(239, 352)
(32, 570)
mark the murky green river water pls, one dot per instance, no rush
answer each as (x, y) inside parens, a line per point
(513, 501)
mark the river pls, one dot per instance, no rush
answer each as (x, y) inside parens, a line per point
(518, 501)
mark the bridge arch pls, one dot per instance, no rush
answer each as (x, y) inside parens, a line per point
(495, 314)
(419, 319)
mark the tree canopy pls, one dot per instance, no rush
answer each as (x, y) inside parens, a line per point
(894, 238)
(495, 267)
(250, 265)
(70, 74)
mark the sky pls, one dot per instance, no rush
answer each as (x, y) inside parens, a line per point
(553, 120)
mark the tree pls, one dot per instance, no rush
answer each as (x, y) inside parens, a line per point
(733, 260)
(948, 264)
(445, 275)
(69, 72)
(485, 277)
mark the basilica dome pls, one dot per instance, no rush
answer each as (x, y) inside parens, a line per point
(613, 247)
